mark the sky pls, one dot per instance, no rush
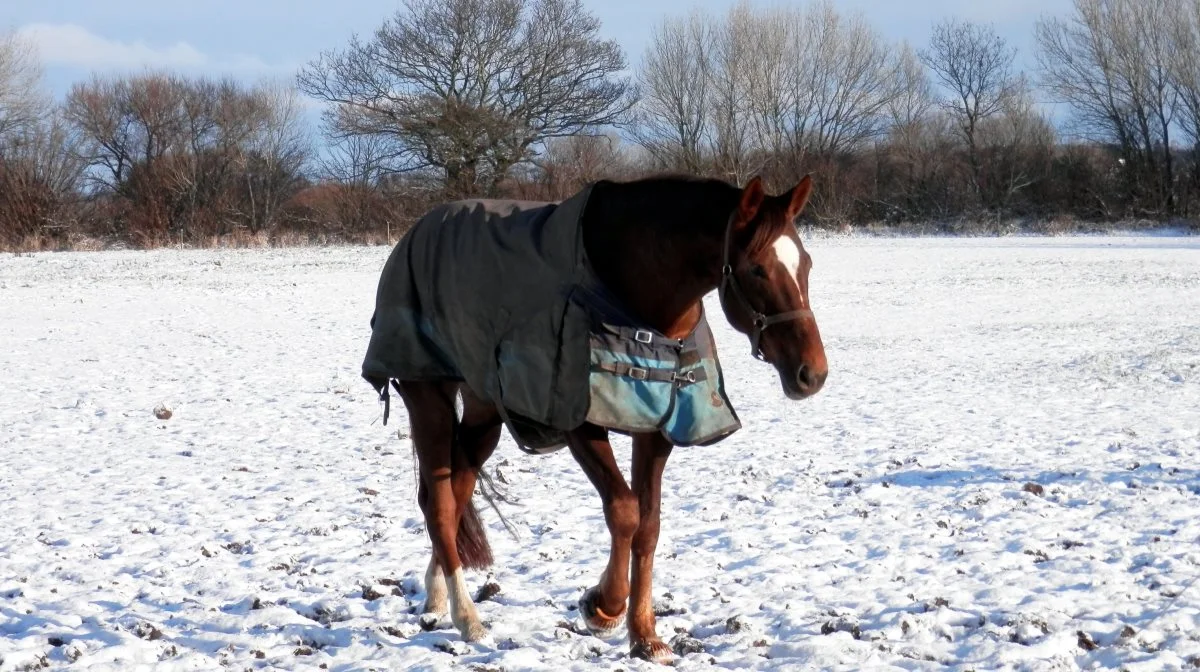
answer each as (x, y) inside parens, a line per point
(255, 39)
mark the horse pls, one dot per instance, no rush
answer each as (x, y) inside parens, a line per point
(658, 245)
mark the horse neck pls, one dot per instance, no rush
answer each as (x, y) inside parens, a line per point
(659, 261)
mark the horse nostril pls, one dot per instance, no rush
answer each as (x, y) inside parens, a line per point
(808, 379)
(805, 377)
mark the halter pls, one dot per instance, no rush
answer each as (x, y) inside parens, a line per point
(761, 321)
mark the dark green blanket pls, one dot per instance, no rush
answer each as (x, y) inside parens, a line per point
(499, 295)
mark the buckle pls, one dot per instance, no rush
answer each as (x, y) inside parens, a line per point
(639, 373)
(643, 336)
(688, 377)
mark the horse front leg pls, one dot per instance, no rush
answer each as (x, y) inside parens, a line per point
(603, 605)
(650, 453)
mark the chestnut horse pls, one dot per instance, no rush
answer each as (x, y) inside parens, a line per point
(690, 236)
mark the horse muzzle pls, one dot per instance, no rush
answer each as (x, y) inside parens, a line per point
(803, 382)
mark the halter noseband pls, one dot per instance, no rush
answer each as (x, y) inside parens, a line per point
(729, 282)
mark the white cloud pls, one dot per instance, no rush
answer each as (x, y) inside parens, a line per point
(68, 44)
(75, 46)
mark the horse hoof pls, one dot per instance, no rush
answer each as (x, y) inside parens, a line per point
(654, 650)
(474, 632)
(598, 623)
(438, 610)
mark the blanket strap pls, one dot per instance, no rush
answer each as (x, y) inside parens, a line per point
(660, 375)
(386, 398)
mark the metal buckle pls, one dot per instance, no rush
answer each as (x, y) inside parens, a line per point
(639, 373)
(643, 336)
(688, 377)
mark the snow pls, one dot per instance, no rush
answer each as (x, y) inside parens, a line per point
(1001, 473)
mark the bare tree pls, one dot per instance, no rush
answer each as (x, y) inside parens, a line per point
(124, 122)
(1185, 67)
(785, 84)
(914, 97)
(850, 81)
(570, 163)
(276, 153)
(1111, 63)
(974, 65)
(22, 100)
(472, 87)
(190, 157)
(673, 85)
(1017, 145)
(40, 177)
(731, 69)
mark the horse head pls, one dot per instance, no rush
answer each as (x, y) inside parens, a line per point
(764, 286)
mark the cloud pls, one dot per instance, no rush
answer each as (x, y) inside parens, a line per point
(71, 45)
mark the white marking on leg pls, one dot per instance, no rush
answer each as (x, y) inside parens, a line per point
(462, 609)
(788, 254)
(435, 588)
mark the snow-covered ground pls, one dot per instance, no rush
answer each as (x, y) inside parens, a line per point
(1003, 472)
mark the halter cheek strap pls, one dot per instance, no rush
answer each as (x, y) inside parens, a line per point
(760, 320)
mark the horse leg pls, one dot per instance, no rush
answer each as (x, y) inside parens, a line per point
(650, 453)
(603, 606)
(433, 421)
(435, 578)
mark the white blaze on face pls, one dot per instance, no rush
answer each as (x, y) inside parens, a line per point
(788, 254)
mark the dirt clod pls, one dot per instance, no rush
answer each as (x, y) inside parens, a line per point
(1086, 642)
(682, 645)
(487, 591)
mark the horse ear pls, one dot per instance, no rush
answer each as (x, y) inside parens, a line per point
(799, 197)
(752, 199)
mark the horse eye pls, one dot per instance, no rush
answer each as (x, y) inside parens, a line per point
(759, 271)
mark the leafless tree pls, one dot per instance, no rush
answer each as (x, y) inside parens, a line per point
(190, 157)
(1185, 67)
(570, 163)
(276, 153)
(40, 178)
(974, 65)
(1111, 62)
(1017, 145)
(914, 97)
(731, 68)
(472, 87)
(674, 84)
(22, 100)
(849, 83)
(786, 84)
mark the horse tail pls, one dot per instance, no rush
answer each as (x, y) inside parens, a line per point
(473, 549)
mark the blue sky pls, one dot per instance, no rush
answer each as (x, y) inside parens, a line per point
(251, 39)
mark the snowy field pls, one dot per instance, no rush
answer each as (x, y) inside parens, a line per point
(1003, 472)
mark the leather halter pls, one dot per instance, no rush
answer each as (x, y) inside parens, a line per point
(729, 282)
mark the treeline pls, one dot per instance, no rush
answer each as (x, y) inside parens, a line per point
(947, 133)
(525, 98)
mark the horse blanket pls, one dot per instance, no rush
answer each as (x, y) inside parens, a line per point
(500, 295)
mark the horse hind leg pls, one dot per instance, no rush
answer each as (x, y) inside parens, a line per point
(433, 421)
(435, 589)
(435, 579)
